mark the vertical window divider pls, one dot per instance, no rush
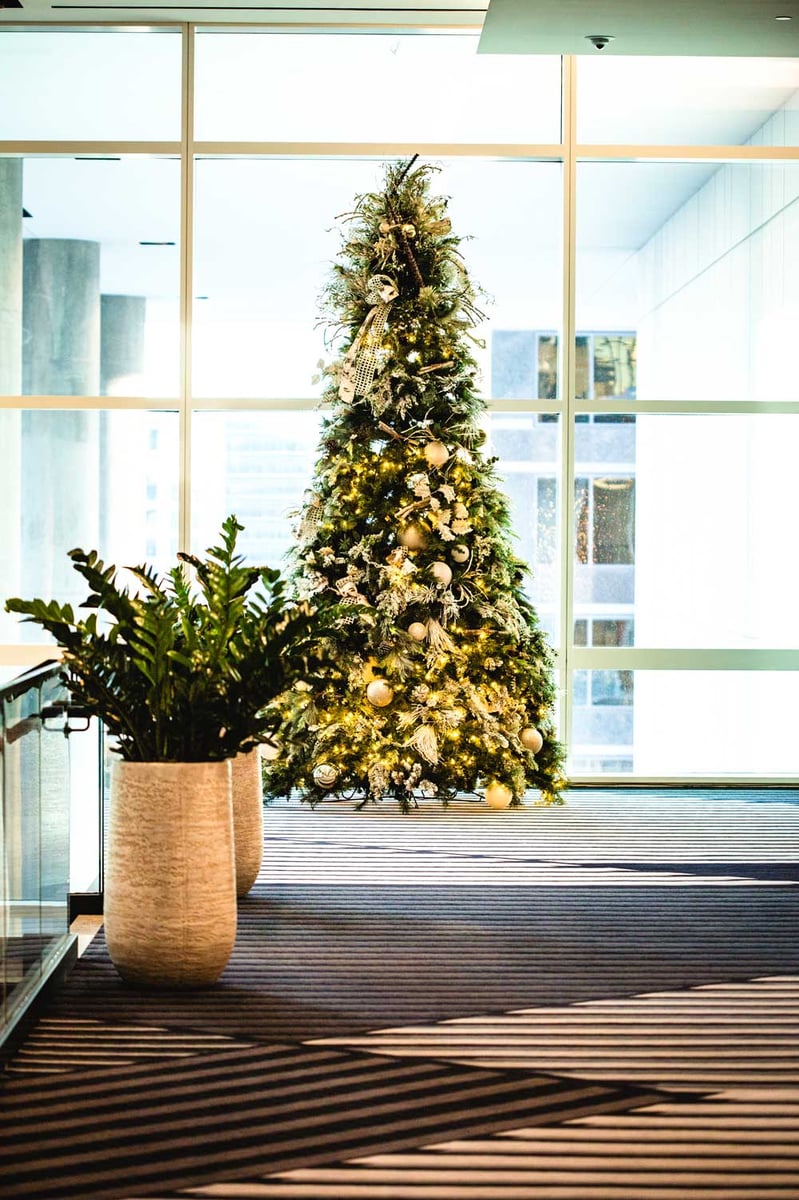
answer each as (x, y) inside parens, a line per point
(186, 278)
(567, 376)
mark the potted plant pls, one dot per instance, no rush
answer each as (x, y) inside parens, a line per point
(265, 646)
(180, 671)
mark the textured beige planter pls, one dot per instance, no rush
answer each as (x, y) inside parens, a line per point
(248, 818)
(170, 893)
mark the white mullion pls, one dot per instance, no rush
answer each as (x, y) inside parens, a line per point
(589, 780)
(27, 654)
(186, 276)
(38, 148)
(634, 658)
(107, 403)
(544, 152)
(708, 154)
(308, 403)
(567, 389)
(703, 407)
(255, 403)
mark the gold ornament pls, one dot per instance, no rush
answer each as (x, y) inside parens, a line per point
(498, 795)
(531, 739)
(325, 775)
(441, 572)
(380, 693)
(436, 453)
(412, 537)
(460, 553)
(418, 631)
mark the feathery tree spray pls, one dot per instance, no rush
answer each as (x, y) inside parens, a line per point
(443, 680)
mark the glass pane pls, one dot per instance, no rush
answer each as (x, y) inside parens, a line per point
(89, 84)
(34, 835)
(89, 277)
(99, 480)
(256, 465)
(686, 538)
(714, 500)
(730, 723)
(528, 450)
(370, 88)
(690, 273)
(688, 101)
(256, 319)
(605, 531)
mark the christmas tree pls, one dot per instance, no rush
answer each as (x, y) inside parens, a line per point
(443, 683)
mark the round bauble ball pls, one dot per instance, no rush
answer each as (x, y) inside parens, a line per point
(460, 553)
(531, 739)
(380, 693)
(412, 537)
(441, 572)
(436, 453)
(418, 631)
(498, 795)
(325, 775)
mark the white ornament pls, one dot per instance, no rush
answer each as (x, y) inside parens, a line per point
(412, 537)
(498, 795)
(441, 572)
(460, 553)
(380, 693)
(531, 739)
(418, 631)
(325, 775)
(436, 453)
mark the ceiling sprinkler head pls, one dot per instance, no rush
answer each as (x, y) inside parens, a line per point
(599, 40)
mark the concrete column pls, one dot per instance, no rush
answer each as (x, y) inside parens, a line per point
(61, 317)
(61, 356)
(121, 363)
(10, 276)
(10, 381)
(121, 343)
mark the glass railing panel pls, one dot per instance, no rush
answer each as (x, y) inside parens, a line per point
(34, 824)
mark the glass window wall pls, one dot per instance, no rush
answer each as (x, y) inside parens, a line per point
(367, 87)
(645, 427)
(121, 85)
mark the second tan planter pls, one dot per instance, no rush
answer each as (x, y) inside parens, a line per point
(248, 818)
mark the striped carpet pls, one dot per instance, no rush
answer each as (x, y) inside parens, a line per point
(586, 1003)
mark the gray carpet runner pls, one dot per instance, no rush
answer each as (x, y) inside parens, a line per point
(587, 1003)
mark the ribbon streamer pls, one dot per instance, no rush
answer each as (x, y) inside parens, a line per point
(360, 362)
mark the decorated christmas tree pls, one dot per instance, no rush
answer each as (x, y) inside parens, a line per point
(443, 682)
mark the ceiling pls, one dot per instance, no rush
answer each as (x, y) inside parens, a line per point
(390, 13)
(747, 28)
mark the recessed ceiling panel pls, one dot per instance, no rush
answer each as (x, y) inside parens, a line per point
(747, 28)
